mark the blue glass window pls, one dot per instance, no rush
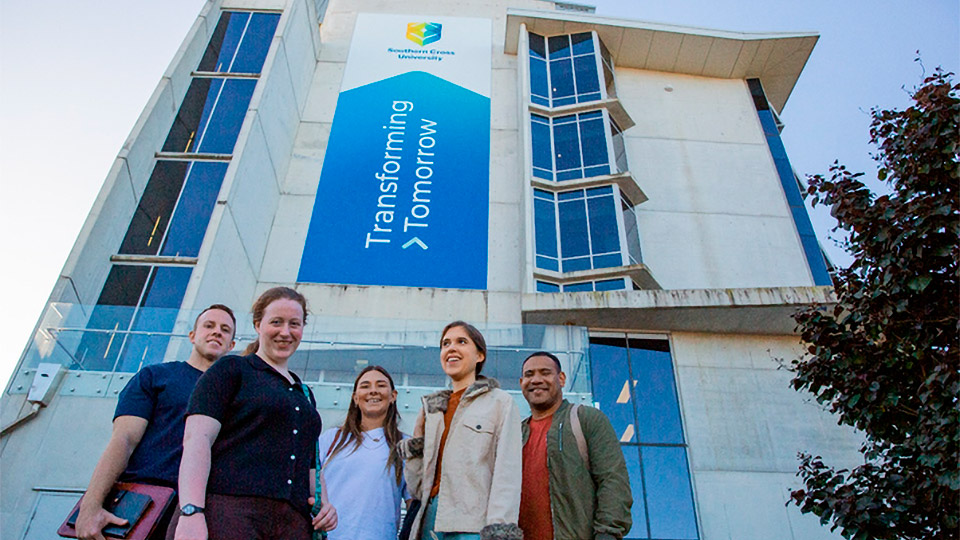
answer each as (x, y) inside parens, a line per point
(539, 80)
(588, 229)
(210, 116)
(545, 229)
(791, 189)
(571, 75)
(573, 146)
(152, 215)
(157, 315)
(185, 190)
(633, 384)
(632, 230)
(240, 42)
(547, 287)
(134, 298)
(193, 211)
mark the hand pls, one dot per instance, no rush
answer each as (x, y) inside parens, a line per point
(91, 522)
(327, 519)
(418, 428)
(192, 528)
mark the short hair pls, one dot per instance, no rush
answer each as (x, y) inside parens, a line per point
(474, 335)
(222, 308)
(543, 353)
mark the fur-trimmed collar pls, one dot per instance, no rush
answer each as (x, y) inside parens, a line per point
(437, 401)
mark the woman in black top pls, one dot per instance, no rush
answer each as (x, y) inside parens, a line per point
(249, 446)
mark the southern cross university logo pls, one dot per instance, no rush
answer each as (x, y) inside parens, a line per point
(423, 33)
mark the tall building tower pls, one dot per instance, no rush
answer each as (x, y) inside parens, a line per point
(614, 191)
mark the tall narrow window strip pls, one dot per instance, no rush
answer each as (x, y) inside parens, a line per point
(801, 219)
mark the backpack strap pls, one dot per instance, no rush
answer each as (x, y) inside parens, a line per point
(578, 434)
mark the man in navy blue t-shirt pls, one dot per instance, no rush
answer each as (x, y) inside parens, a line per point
(147, 438)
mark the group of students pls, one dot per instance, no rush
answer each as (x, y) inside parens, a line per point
(238, 438)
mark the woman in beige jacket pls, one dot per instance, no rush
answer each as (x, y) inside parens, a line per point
(464, 460)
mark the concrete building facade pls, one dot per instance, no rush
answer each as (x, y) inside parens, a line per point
(614, 191)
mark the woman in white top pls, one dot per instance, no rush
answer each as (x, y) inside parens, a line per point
(361, 466)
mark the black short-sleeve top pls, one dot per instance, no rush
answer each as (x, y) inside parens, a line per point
(269, 428)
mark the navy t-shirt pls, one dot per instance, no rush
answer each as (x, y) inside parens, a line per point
(268, 435)
(159, 394)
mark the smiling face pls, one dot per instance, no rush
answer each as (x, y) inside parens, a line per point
(212, 336)
(542, 383)
(459, 356)
(280, 330)
(373, 395)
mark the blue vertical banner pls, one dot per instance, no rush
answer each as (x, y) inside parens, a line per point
(403, 197)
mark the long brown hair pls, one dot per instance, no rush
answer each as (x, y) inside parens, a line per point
(267, 298)
(351, 431)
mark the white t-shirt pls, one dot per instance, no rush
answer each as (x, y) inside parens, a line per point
(361, 488)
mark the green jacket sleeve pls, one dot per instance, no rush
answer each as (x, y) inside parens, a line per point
(609, 472)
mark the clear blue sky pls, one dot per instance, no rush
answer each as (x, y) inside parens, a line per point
(74, 80)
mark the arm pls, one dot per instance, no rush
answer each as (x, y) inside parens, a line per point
(198, 438)
(327, 519)
(609, 471)
(92, 518)
(411, 450)
(503, 504)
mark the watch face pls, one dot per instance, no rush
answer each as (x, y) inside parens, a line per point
(190, 509)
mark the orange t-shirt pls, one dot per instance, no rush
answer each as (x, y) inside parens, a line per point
(536, 519)
(447, 418)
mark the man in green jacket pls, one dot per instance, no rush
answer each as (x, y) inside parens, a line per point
(575, 484)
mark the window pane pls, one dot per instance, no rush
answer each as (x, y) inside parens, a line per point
(158, 313)
(585, 68)
(631, 454)
(256, 43)
(573, 229)
(561, 78)
(223, 44)
(578, 287)
(566, 146)
(559, 46)
(194, 209)
(152, 215)
(546, 263)
(114, 310)
(210, 116)
(575, 264)
(543, 286)
(539, 86)
(537, 47)
(594, 142)
(582, 43)
(229, 106)
(611, 285)
(545, 227)
(658, 411)
(540, 142)
(608, 261)
(632, 234)
(240, 42)
(669, 497)
(604, 234)
(612, 390)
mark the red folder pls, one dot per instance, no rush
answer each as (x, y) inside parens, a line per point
(161, 498)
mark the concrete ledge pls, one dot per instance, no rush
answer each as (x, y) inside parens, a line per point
(740, 311)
